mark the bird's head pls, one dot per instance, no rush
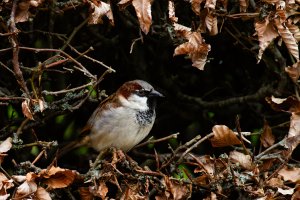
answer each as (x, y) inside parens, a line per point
(138, 95)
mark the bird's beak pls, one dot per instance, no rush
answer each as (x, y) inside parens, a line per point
(154, 93)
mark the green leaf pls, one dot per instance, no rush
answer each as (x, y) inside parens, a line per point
(35, 150)
(69, 131)
(11, 112)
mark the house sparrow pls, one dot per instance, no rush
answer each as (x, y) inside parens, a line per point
(124, 119)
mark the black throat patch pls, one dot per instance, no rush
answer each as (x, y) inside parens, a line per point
(145, 118)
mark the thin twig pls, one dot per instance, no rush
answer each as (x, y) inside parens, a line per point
(15, 49)
(92, 59)
(76, 29)
(270, 148)
(150, 141)
(81, 67)
(1, 63)
(195, 146)
(45, 92)
(174, 154)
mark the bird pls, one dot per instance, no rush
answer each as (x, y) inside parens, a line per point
(123, 119)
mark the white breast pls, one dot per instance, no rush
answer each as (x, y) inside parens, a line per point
(118, 127)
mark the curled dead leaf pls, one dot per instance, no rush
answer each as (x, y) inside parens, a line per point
(211, 22)
(267, 139)
(143, 13)
(5, 184)
(266, 34)
(172, 16)
(196, 6)
(42, 194)
(223, 136)
(245, 161)
(26, 188)
(290, 104)
(175, 190)
(26, 109)
(22, 13)
(85, 193)
(57, 177)
(290, 174)
(6, 145)
(275, 182)
(294, 125)
(288, 38)
(99, 11)
(195, 48)
(100, 190)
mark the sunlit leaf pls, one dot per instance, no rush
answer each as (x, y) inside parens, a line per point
(288, 38)
(172, 16)
(26, 109)
(196, 6)
(99, 11)
(266, 34)
(223, 136)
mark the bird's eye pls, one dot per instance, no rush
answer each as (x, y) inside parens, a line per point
(142, 92)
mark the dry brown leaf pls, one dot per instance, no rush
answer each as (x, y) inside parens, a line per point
(211, 24)
(171, 7)
(275, 182)
(296, 195)
(176, 190)
(6, 145)
(271, 1)
(19, 178)
(267, 139)
(195, 48)
(196, 6)
(26, 188)
(245, 161)
(132, 192)
(294, 71)
(294, 29)
(85, 193)
(42, 194)
(290, 174)
(290, 104)
(26, 109)
(22, 13)
(124, 3)
(266, 34)
(211, 4)
(99, 11)
(143, 12)
(244, 5)
(288, 38)
(290, 143)
(100, 190)
(223, 136)
(208, 165)
(181, 30)
(5, 184)
(57, 177)
(294, 125)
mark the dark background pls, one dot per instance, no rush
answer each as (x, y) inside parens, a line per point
(231, 72)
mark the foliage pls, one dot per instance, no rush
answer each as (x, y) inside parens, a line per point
(241, 69)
